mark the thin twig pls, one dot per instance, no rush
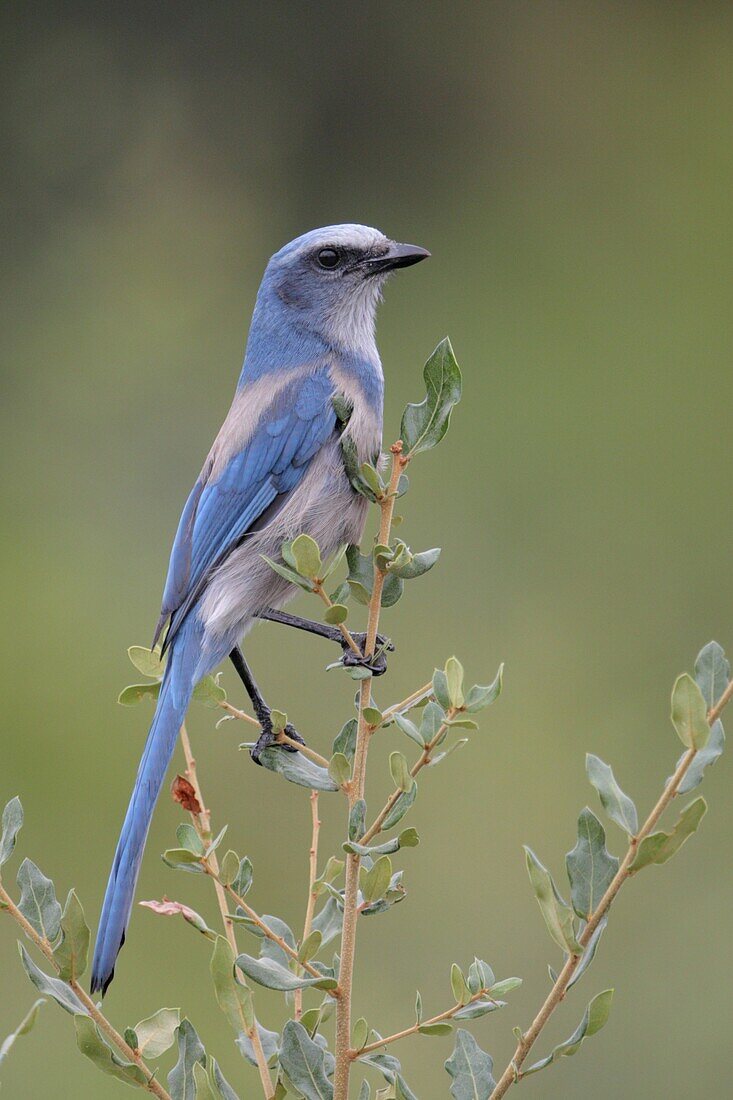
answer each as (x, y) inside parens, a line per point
(153, 1085)
(512, 1073)
(447, 1015)
(312, 892)
(202, 824)
(316, 757)
(409, 702)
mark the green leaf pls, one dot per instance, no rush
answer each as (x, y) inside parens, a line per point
(454, 682)
(243, 880)
(392, 590)
(435, 1029)
(273, 975)
(307, 556)
(440, 688)
(189, 839)
(12, 823)
(303, 1061)
(471, 1069)
(72, 951)
(270, 1041)
(460, 989)
(479, 697)
(590, 867)
(359, 1034)
(232, 996)
(703, 759)
(506, 985)
(229, 868)
(435, 760)
(354, 472)
(357, 820)
(361, 574)
(180, 859)
(408, 838)
(224, 1089)
(157, 1033)
(418, 1008)
(372, 716)
(617, 805)
(424, 425)
(659, 847)
(557, 914)
(297, 768)
(23, 1028)
(181, 1084)
(336, 614)
(147, 661)
(202, 1081)
(409, 728)
(328, 920)
(712, 673)
(588, 954)
(209, 692)
(334, 563)
(400, 772)
(594, 1018)
(480, 976)
(689, 713)
(375, 882)
(345, 740)
(135, 693)
(288, 574)
(61, 993)
(400, 808)
(310, 946)
(38, 902)
(416, 566)
(339, 768)
(93, 1046)
(476, 1009)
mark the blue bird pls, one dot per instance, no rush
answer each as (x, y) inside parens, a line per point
(275, 471)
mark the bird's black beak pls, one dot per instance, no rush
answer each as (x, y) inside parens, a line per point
(397, 255)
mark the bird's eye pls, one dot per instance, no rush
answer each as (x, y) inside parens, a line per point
(328, 258)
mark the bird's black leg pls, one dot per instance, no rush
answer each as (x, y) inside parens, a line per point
(377, 665)
(261, 709)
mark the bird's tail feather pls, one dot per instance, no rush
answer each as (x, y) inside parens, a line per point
(175, 695)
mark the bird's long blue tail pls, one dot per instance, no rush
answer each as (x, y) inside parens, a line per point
(175, 695)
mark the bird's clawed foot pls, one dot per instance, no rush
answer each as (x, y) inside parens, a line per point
(269, 737)
(377, 664)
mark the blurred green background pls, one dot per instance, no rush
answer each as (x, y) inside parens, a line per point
(569, 166)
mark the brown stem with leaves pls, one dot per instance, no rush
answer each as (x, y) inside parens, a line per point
(356, 792)
(312, 892)
(202, 824)
(439, 1019)
(153, 1086)
(512, 1074)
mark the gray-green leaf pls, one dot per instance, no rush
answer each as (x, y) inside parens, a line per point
(61, 993)
(590, 866)
(659, 847)
(12, 822)
(297, 768)
(689, 713)
(400, 808)
(471, 1069)
(558, 916)
(712, 672)
(233, 997)
(303, 1061)
(38, 902)
(479, 696)
(273, 975)
(594, 1018)
(425, 424)
(181, 1084)
(93, 1046)
(617, 805)
(157, 1033)
(72, 951)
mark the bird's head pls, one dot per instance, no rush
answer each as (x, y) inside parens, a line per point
(330, 280)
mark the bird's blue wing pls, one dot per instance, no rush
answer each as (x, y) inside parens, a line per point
(220, 512)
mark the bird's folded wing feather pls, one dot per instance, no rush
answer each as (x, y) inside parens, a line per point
(221, 509)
